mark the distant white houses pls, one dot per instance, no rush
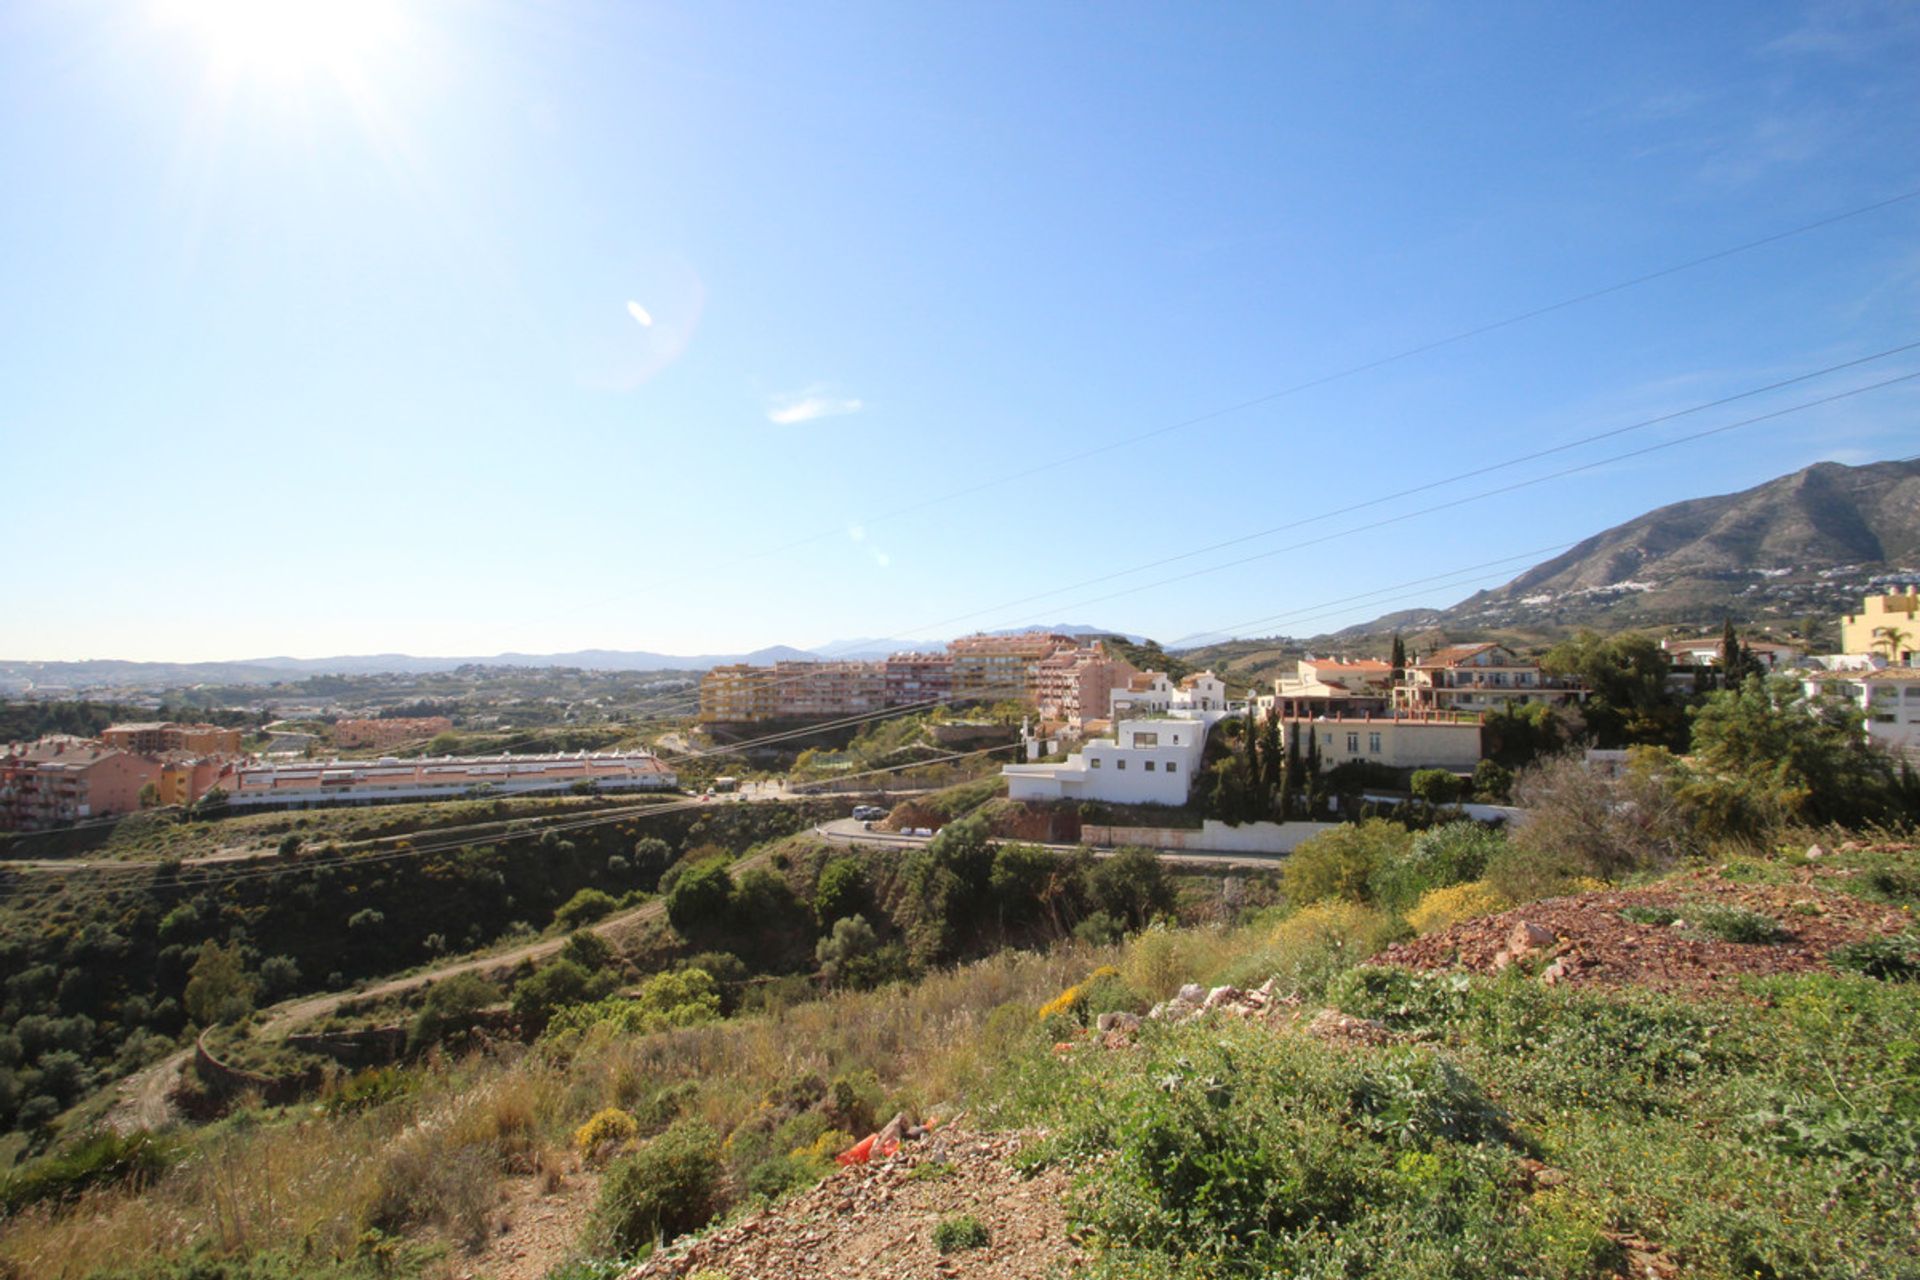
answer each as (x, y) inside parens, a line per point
(1888, 697)
(1159, 739)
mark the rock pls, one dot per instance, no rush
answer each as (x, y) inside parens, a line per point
(1192, 993)
(1219, 996)
(1158, 1011)
(1815, 852)
(1556, 973)
(1332, 1025)
(1120, 1020)
(1527, 936)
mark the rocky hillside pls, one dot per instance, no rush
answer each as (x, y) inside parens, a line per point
(1808, 542)
(1807, 545)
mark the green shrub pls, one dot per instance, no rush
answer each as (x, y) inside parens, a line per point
(1435, 786)
(373, 1087)
(1522, 873)
(452, 1006)
(583, 908)
(1892, 959)
(105, 1158)
(1435, 859)
(1649, 915)
(542, 993)
(1341, 863)
(1735, 924)
(951, 1235)
(670, 1186)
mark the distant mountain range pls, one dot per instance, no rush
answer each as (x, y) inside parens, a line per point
(110, 673)
(1810, 544)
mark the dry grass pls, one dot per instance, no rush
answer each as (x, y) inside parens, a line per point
(433, 1160)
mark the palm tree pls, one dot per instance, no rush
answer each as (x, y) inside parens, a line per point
(1893, 640)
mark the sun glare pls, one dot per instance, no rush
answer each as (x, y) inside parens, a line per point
(281, 40)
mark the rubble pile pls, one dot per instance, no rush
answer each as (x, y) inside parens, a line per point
(878, 1218)
(1585, 940)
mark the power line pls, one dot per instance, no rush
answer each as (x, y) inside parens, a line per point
(1350, 371)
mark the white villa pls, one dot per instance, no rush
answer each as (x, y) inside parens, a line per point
(1159, 739)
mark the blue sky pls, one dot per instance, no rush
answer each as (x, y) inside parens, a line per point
(318, 332)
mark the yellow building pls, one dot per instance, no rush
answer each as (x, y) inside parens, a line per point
(738, 694)
(1882, 619)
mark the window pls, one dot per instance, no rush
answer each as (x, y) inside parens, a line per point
(1094, 761)
(1353, 744)
(1149, 766)
(1146, 739)
(1119, 764)
(1373, 743)
(1173, 766)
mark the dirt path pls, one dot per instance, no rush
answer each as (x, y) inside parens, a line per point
(879, 1220)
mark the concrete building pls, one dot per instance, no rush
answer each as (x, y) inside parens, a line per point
(184, 777)
(1150, 760)
(816, 690)
(445, 777)
(1888, 696)
(1331, 687)
(1406, 740)
(389, 732)
(1480, 678)
(1074, 686)
(737, 694)
(919, 679)
(1887, 625)
(1000, 668)
(60, 780)
(1159, 739)
(151, 738)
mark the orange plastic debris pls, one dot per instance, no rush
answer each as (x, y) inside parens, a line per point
(859, 1153)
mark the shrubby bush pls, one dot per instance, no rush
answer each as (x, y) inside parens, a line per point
(1433, 859)
(583, 908)
(1442, 907)
(670, 1186)
(1341, 863)
(676, 998)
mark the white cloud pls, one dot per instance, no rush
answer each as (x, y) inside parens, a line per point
(639, 313)
(805, 406)
(858, 532)
(882, 559)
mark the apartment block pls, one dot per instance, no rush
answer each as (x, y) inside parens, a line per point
(919, 679)
(1073, 686)
(826, 689)
(1001, 668)
(154, 737)
(59, 780)
(737, 694)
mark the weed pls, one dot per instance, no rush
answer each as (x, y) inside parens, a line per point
(1894, 959)
(951, 1235)
(1735, 924)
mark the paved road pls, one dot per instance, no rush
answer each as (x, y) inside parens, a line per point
(848, 831)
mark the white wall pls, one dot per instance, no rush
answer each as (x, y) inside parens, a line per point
(1212, 837)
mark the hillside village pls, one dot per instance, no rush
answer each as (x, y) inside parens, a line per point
(959, 642)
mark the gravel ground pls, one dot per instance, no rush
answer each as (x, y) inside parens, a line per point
(1595, 946)
(879, 1219)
